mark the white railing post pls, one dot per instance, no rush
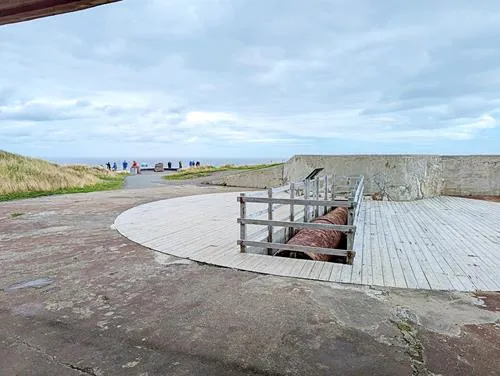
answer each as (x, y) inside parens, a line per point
(350, 217)
(306, 197)
(270, 217)
(243, 229)
(325, 208)
(333, 187)
(316, 211)
(292, 210)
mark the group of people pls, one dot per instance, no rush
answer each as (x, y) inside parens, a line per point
(135, 166)
(114, 167)
(169, 164)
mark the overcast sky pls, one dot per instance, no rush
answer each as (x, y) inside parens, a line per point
(253, 78)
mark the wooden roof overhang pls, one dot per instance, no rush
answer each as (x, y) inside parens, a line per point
(12, 11)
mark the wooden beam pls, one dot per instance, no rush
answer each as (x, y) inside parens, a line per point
(266, 200)
(344, 228)
(24, 10)
(299, 248)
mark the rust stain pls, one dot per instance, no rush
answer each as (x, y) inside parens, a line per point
(491, 300)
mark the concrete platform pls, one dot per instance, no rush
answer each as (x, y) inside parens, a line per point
(442, 243)
(116, 308)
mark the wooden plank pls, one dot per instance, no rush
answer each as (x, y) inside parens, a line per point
(306, 270)
(296, 269)
(359, 245)
(243, 227)
(270, 218)
(264, 222)
(316, 270)
(410, 249)
(405, 261)
(429, 235)
(383, 248)
(283, 265)
(377, 267)
(336, 272)
(297, 248)
(345, 274)
(389, 233)
(367, 272)
(306, 198)
(325, 208)
(326, 271)
(462, 245)
(291, 230)
(479, 237)
(434, 276)
(440, 239)
(438, 236)
(316, 193)
(287, 201)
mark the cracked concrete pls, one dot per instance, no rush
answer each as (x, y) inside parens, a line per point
(116, 308)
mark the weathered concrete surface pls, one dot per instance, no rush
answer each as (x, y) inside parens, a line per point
(471, 175)
(262, 178)
(408, 177)
(400, 177)
(115, 308)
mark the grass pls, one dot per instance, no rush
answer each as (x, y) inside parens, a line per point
(16, 214)
(23, 177)
(199, 172)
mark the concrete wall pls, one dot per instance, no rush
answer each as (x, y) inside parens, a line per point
(408, 177)
(263, 178)
(471, 175)
(401, 177)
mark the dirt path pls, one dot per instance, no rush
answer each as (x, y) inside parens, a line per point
(106, 306)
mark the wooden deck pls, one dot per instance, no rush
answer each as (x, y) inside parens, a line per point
(442, 243)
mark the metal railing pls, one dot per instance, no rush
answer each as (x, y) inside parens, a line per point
(300, 203)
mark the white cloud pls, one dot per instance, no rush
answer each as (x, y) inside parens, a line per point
(200, 117)
(252, 76)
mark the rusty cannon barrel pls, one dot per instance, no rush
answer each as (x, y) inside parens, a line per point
(319, 237)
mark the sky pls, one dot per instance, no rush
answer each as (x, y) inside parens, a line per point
(254, 78)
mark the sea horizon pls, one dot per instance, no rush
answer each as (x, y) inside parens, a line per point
(204, 161)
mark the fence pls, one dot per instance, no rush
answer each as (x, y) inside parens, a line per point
(293, 207)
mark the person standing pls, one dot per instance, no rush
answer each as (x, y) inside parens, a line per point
(108, 165)
(125, 165)
(115, 167)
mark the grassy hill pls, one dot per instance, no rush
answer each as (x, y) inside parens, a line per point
(23, 177)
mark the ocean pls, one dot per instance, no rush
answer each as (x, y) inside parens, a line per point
(175, 161)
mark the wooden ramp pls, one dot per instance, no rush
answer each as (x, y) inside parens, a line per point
(442, 243)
